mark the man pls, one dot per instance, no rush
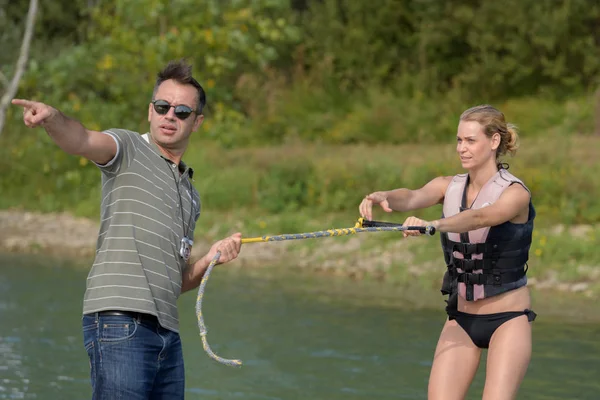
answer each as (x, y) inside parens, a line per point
(149, 210)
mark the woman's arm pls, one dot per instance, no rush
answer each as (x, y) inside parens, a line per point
(513, 203)
(405, 199)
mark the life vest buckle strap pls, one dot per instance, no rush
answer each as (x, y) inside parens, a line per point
(468, 248)
(468, 265)
(471, 279)
(489, 264)
(495, 277)
(490, 250)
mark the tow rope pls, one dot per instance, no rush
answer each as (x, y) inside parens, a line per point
(361, 225)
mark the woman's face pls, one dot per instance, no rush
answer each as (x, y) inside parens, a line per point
(473, 147)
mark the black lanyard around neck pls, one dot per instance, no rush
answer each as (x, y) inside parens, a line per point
(183, 227)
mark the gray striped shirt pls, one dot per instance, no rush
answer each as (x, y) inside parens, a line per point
(148, 202)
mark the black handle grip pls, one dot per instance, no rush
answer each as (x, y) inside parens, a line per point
(375, 224)
(427, 230)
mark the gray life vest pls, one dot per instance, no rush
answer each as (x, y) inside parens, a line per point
(487, 261)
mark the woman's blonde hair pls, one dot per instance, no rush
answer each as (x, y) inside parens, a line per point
(493, 121)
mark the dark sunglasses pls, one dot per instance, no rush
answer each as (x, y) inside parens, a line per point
(162, 107)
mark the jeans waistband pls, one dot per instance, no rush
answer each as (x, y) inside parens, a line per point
(140, 317)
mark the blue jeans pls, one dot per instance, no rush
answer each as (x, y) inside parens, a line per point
(133, 358)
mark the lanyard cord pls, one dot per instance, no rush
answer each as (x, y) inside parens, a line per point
(183, 228)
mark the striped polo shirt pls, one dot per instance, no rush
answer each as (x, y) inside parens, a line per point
(148, 205)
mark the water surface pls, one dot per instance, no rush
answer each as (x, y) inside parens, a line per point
(299, 338)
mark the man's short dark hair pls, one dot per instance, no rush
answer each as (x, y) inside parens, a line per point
(181, 72)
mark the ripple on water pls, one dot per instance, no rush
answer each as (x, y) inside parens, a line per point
(228, 395)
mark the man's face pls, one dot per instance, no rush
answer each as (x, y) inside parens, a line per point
(169, 131)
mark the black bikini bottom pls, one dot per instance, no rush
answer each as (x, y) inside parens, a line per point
(481, 327)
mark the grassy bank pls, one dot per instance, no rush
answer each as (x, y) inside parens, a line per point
(278, 182)
(298, 188)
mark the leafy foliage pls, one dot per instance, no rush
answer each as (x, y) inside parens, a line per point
(303, 73)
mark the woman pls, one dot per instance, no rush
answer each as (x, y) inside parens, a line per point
(486, 231)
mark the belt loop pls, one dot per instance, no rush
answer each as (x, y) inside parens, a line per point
(97, 317)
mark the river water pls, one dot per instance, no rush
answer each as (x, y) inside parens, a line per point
(299, 338)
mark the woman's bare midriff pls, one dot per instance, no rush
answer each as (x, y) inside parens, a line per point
(514, 300)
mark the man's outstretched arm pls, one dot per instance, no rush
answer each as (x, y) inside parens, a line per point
(69, 134)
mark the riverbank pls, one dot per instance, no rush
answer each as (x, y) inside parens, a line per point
(380, 261)
(63, 235)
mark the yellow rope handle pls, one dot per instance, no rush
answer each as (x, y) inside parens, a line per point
(372, 226)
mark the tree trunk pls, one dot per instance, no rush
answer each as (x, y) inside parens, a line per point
(597, 113)
(11, 90)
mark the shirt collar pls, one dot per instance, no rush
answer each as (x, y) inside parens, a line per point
(182, 166)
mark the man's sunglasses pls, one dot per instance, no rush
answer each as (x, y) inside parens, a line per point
(162, 107)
